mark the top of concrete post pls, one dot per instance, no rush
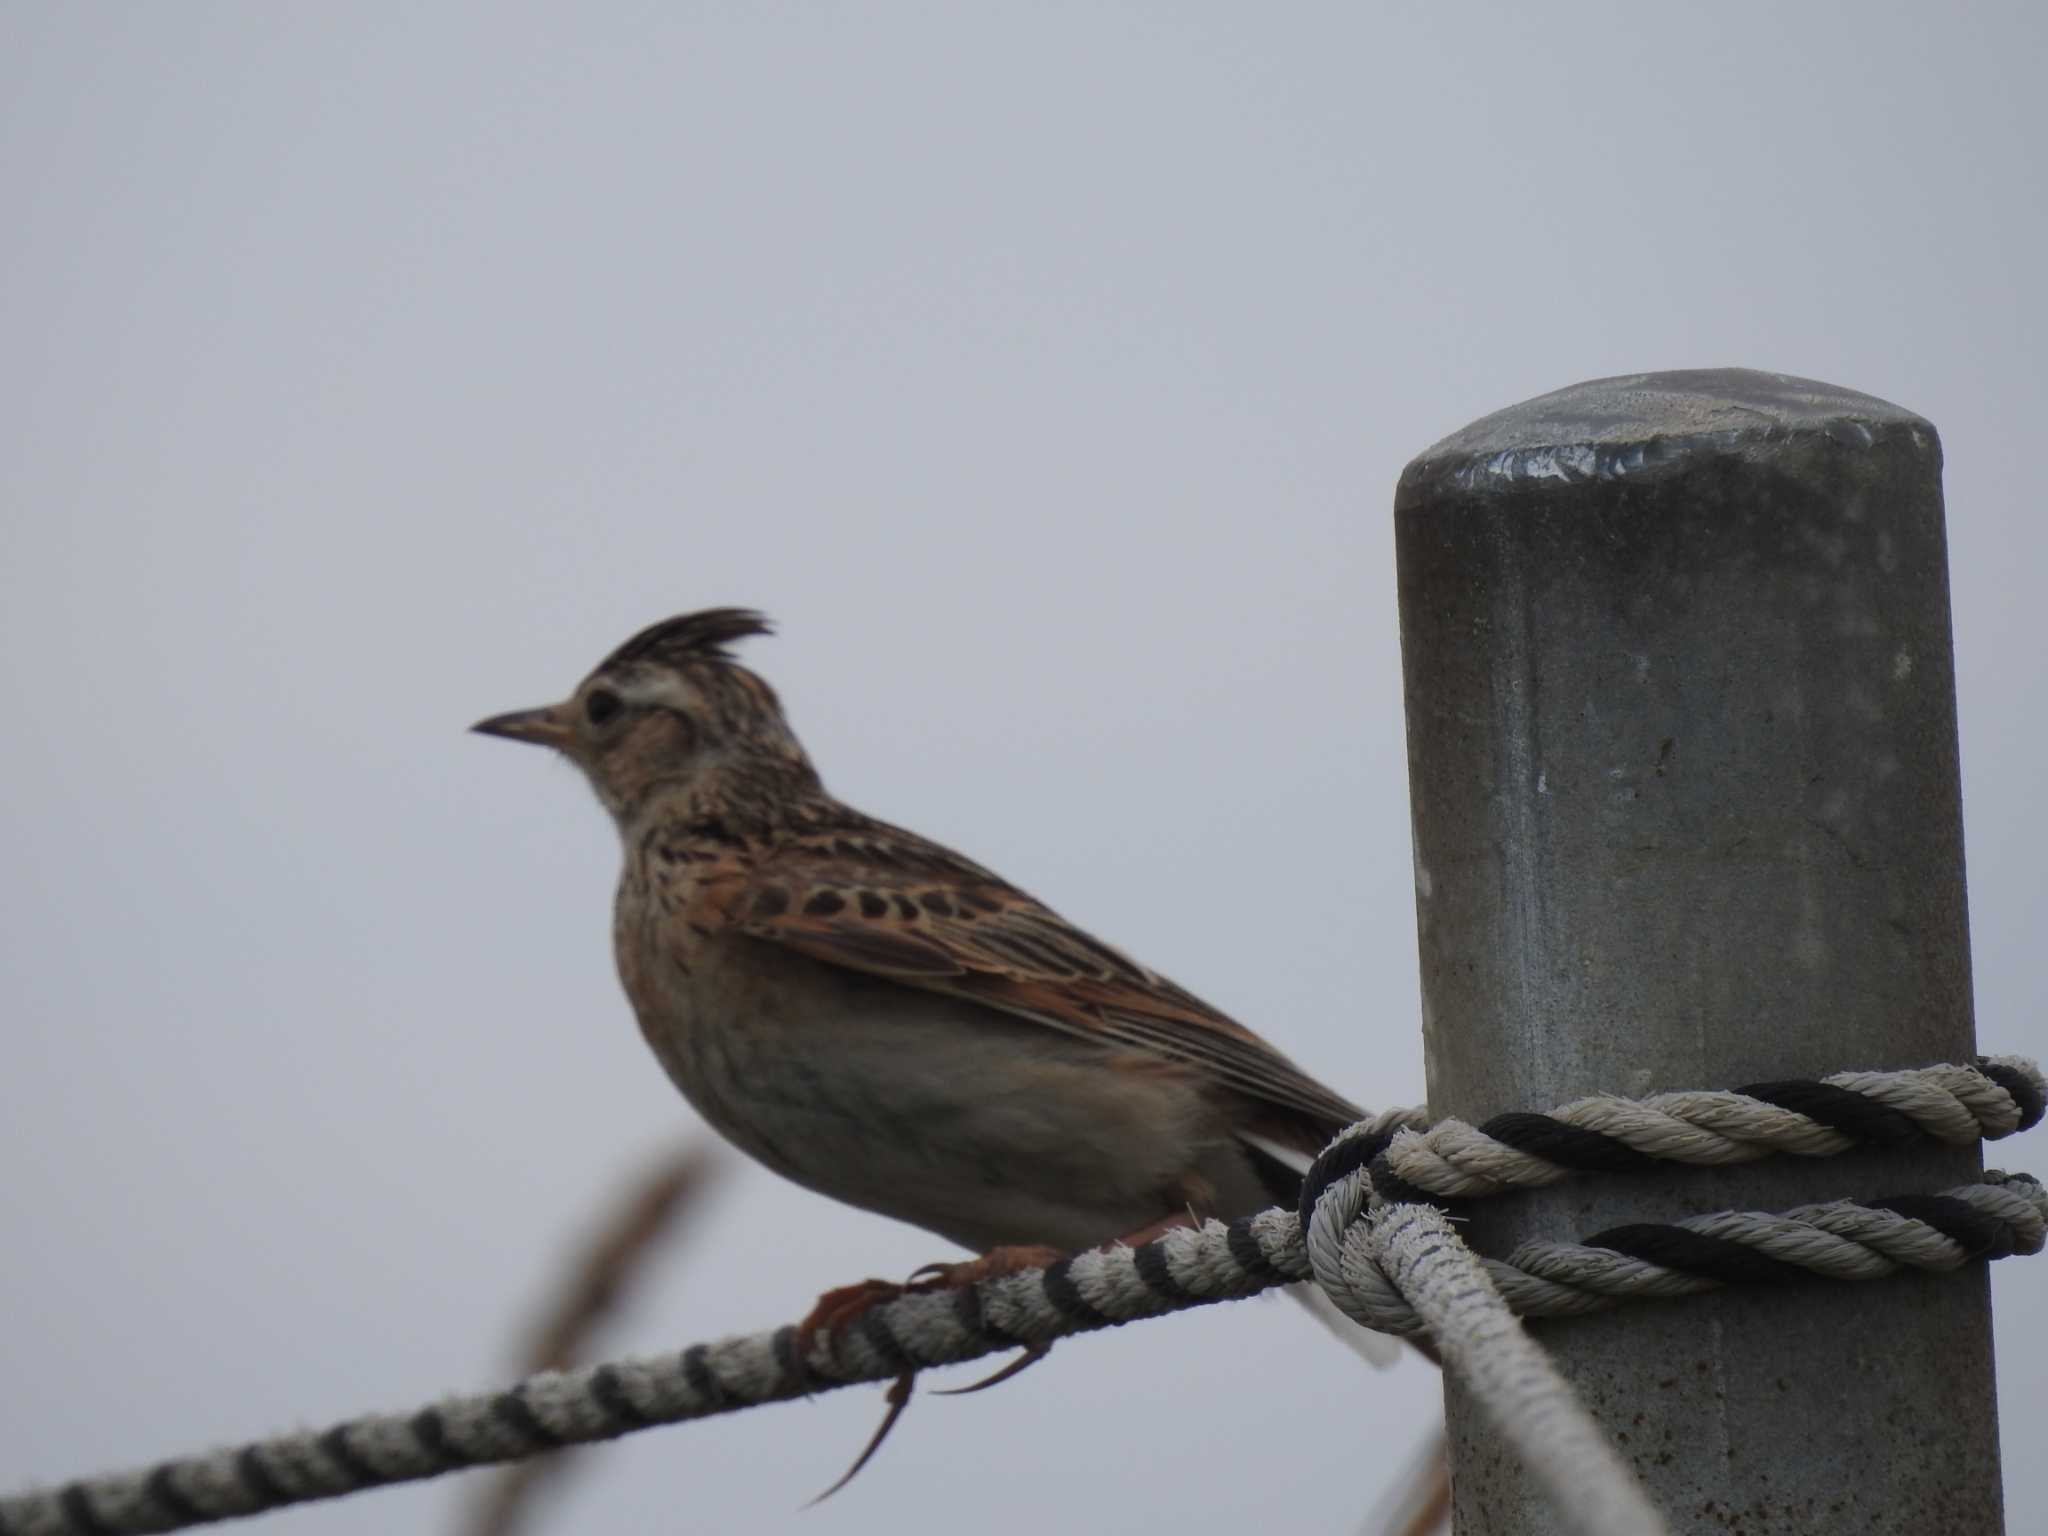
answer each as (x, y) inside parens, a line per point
(1638, 425)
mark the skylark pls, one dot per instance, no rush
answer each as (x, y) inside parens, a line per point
(886, 1022)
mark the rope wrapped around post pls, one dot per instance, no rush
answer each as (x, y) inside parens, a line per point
(2006, 1214)
(1406, 1256)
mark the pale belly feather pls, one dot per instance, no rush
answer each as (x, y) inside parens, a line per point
(937, 1111)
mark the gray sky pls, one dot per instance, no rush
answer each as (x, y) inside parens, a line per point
(366, 370)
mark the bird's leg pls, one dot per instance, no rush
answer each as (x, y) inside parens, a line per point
(848, 1303)
(1006, 1261)
(834, 1310)
(1010, 1259)
(1152, 1231)
(837, 1308)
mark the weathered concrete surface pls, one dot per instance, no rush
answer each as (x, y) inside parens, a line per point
(1687, 813)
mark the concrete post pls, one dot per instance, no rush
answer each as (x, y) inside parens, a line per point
(1687, 813)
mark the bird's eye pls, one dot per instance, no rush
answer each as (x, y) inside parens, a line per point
(601, 705)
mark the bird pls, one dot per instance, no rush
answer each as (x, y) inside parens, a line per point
(886, 1022)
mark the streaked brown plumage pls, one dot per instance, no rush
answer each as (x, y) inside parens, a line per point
(883, 1020)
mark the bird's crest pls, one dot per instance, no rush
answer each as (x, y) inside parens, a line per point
(703, 636)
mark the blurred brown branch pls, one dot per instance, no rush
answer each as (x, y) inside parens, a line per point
(1420, 1503)
(614, 1259)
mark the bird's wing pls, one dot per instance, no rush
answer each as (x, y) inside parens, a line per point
(878, 899)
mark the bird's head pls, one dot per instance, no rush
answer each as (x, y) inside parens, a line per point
(670, 711)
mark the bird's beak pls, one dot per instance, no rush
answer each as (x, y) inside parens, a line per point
(542, 727)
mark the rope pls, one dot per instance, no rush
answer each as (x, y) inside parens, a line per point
(1526, 1397)
(2006, 1214)
(1956, 1105)
(557, 1408)
(1408, 1255)
(2002, 1215)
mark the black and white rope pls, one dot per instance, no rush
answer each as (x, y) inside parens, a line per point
(1361, 1263)
(1405, 1254)
(558, 1408)
(1985, 1101)
(2006, 1214)
(2001, 1215)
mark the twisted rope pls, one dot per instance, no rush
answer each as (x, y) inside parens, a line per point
(1405, 1255)
(558, 1408)
(1526, 1396)
(2001, 1215)
(1956, 1105)
(2006, 1214)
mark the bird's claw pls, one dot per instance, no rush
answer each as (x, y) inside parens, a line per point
(1033, 1353)
(898, 1399)
(837, 1308)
